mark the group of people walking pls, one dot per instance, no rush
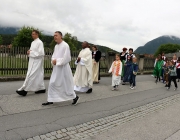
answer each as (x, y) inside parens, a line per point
(62, 84)
(166, 70)
(124, 68)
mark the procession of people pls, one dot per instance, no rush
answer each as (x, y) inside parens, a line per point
(167, 70)
(63, 86)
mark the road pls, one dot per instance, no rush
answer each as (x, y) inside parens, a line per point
(24, 117)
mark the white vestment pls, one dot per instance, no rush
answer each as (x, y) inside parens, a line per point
(61, 86)
(116, 80)
(83, 76)
(35, 75)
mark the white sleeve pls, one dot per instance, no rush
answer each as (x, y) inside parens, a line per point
(155, 63)
(82, 62)
(75, 62)
(126, 58)
(39, 52)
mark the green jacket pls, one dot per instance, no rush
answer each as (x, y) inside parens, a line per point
(158, 68)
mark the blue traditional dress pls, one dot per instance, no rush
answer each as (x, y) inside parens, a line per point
(127, 67)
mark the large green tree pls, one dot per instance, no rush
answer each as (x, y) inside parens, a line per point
(1, 40)
(23, 38)
(168, 48)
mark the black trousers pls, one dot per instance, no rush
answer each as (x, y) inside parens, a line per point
(172, 78)
(132, 80)
(178, 73)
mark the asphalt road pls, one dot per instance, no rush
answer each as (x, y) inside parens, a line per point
(102, 102)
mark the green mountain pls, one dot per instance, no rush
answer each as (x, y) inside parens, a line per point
(151, 46)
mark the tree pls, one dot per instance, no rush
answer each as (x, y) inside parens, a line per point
(71, 40)
(23, 38)
(52, 44)
(7, 39)
(47, 40)
(168, 48)
(1, 40)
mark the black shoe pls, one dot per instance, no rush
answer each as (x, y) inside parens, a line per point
(156, 81)
(75, 100)
(166, 85)
(48, 103)
(22, 92)
(40, 91)
(89, 91)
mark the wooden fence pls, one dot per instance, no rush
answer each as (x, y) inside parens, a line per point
(14, 61)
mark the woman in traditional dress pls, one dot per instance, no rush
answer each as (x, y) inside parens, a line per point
(96, 56)
(127, 66)
(123, 59)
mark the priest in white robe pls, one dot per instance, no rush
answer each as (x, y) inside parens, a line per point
(61, 86)
(35, 75)
(83, 78)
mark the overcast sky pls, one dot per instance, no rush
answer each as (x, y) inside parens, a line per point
(112, 23)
